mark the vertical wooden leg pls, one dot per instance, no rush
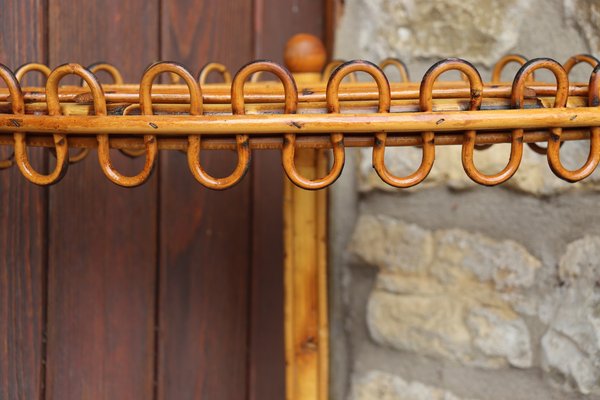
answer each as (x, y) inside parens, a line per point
(305, 240)
(306, 327)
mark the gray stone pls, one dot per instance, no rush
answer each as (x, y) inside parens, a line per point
(585, 15)
(390, 245)
(473, 314)
(479, 31)
(571, 346)
(376, 385)
(421, 32)
(497, 337)
(534, 175)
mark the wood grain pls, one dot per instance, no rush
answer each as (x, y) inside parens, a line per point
(306, 327)
(220, 288)
(102, 238)
(204, 235)
(22, 229)
(333, 11)
(267, 361)
(275, 22)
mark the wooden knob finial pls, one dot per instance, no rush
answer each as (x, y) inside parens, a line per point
(305, 53)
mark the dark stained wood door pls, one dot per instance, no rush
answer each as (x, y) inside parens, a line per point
(23, 231)
(166, 291)
(202, 226)
(101, 237)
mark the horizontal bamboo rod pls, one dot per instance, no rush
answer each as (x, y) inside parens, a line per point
(315, 115)
(273, 92)
(319, 142)
(366, 106)
(307, 124)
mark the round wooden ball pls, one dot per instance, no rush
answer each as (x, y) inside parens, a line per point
(305, 53)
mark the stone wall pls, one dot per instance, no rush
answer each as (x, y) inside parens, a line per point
(450, 290)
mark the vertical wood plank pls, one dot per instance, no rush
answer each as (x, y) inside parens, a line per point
(22, 228)
(267, 361)
(204, 235)
(305, 235)
(102, 238)
(275, 22)
(333, 11)
(305, 239)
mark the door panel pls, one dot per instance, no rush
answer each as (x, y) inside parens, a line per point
(204, 235)
(23, 228)
(102, 238)
(275, 22)
(169, 290)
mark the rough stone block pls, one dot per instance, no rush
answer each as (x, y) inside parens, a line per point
(451, 293)
(376, 385)
(478, 31)
(534, 175)
(464, 297)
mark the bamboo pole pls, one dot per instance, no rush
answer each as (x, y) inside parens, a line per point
(309, 107)
(316, 142)
(304, 124)
(310, 91)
